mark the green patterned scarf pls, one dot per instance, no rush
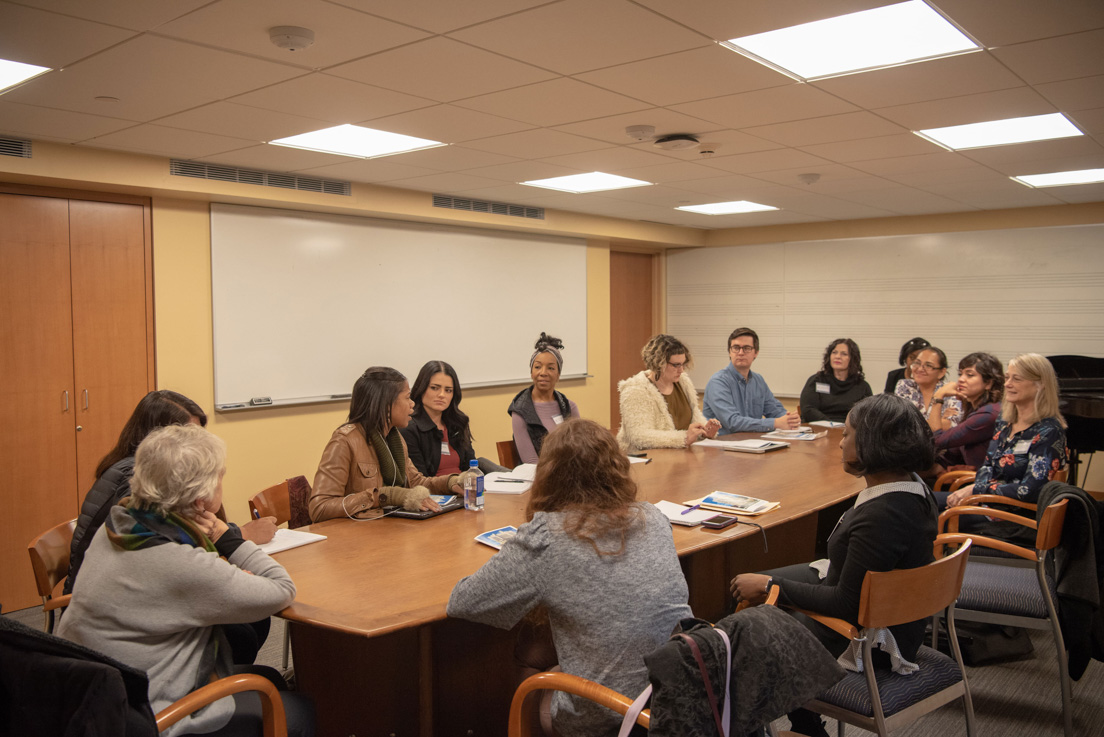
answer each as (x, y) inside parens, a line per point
(144, 528)
(392, 459)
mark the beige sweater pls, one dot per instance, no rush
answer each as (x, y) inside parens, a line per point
(645, 421)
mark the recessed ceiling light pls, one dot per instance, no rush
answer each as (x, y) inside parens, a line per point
(16, 72)
(1002, 132)
(727, 208)
(1061, 178)
(355, 140)
(595, 181)
(870, 39)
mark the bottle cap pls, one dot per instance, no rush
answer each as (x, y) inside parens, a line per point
(473, 463)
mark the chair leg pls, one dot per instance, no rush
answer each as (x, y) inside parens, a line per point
(840, 726)
(1060, 646)
(287, 644)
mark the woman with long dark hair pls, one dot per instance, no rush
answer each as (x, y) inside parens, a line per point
(980, 387)
(830, 393)
(365, 465)
(537, 409)
(438, 438)
(602, 564)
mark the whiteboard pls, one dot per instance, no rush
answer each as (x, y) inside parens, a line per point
(1006, 292)
(303, 303)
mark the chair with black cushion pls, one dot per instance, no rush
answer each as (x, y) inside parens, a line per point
(1015, 596)
(50, 562)
(880, 700)
(50, 686)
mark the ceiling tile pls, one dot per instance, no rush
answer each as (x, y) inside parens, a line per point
(724, 19)
(612, 128)
(553, 103)
(878, 147)
(783, 158)
(1090, 121)
(1057, 163)
(654, 195)
(1011, 103)
(1079, 193)
(847, 127)
(829, 175)
(454, 158)
(926, 179)
(331, 98)
(28, 121)
(139, 72)
(997, 195)
(1055, 59)
(273, 158)
(535, 144)
(1075, 94)
(907, 200)
(384, 169)
(721, 142)
(831, 208)
(615, 32)
(140, 15)
(440, 17)
(999, 156)
(526, 171)
(774, 105)
(448, 124)
(608, 159)
(677, 171)
(939, 161)
(929, 80)
(444, 182)
(737, 187)
(50, 40)
(1016, 21)
(242, 121)
(711, 71)
(441, 69)
(160, 140)
(341, 34)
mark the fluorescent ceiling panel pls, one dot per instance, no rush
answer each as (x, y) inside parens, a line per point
(357, 141)
(1002, 132)
(1062, 178)
(15, 72)
(727, 208)
(595, 181)
(871, 39)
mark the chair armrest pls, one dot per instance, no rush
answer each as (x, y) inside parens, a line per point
(977, 499)
(772, 595)
(843, 627)
(987, 542)
(521, 708)
(948, 519)
(272, 708)
(968, 478)
(58, 602)
(949, 477)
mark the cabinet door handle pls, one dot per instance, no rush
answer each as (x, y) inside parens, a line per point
(86, 399)
(66, 395)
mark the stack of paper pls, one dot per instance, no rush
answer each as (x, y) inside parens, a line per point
(517, 481)
(794, 435)
(724, 501)
(680, 514)
(288, 539)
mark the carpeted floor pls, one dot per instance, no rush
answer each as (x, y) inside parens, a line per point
(1017, 699)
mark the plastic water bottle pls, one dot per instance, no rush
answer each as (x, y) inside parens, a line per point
(473, 487)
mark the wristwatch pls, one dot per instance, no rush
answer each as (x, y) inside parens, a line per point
(939, 401)
(770, 582)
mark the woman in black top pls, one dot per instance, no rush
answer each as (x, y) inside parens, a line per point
(437, 416)
(908, 352)
(892, 526)
(831, 393)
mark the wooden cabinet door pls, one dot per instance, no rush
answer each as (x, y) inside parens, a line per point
(631, 289)
(109, 265)
(37, 402)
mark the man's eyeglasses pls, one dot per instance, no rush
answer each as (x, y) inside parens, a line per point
(742, 349)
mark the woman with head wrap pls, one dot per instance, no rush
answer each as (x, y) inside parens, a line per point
(538, 409)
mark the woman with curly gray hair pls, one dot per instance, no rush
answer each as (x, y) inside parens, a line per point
(659, 406)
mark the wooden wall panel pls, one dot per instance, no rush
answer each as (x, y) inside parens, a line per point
(632, 286)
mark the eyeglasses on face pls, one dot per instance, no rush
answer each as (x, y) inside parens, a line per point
(679, 365)
(916, 366)
(742, 349)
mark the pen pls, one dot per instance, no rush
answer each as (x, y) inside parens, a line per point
(511, 481)
(691, 509)
(256, 514)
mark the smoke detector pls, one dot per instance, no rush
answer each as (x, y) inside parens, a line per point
(677, 142)
(292, 38)
(809, 178)
(640, 132)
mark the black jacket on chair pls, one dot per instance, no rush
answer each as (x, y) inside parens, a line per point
(55, 688)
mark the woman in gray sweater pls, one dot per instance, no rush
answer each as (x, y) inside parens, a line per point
(154, 586)
(601, 563)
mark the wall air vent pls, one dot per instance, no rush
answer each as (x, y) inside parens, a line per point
(15, 147)
(493, 208)
(261, 178)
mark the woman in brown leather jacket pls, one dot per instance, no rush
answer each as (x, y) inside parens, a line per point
(365, 465)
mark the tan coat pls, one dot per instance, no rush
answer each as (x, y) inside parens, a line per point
(645, 420)
(349, 482)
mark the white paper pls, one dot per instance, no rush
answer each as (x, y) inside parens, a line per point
(633, 459)
(288, 539)
(680, 514)
(494, 482)
(826, 423)
(734, 443)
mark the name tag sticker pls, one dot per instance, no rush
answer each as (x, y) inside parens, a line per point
(558, 419)
(823, 388)
(445, 449)
(1021, 447)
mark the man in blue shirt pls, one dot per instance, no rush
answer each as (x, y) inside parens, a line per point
(739, 398)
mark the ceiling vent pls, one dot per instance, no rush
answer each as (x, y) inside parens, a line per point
(493, 208)
(15, 147)
(219, 173)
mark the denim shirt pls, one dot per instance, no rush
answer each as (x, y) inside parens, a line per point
(741, 405)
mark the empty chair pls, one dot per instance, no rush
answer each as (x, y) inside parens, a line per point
(508, 454)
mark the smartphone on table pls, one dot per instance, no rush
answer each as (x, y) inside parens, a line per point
(719, 521)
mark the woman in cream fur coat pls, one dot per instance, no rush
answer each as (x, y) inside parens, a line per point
(659, 406)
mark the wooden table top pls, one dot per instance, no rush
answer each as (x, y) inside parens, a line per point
(371, 578)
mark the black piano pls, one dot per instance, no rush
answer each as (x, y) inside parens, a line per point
(1081, 397)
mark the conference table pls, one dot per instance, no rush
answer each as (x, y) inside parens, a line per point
(370, 637)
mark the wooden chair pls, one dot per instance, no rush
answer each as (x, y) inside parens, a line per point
(521, 708)
(953, 480)
(881, 701)
(50, 562)
(1015, 596)
(508, 454)
(273, 719)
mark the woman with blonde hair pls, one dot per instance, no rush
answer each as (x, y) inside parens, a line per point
(1029, 446)
(659, 406)
(601, 563)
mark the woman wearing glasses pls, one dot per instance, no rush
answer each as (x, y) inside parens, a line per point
(929, 373)
(833, 391)
(659, 406)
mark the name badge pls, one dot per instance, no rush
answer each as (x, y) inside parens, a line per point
(558, 419)
(1021, 447)
(445, 449)
(823, 388)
